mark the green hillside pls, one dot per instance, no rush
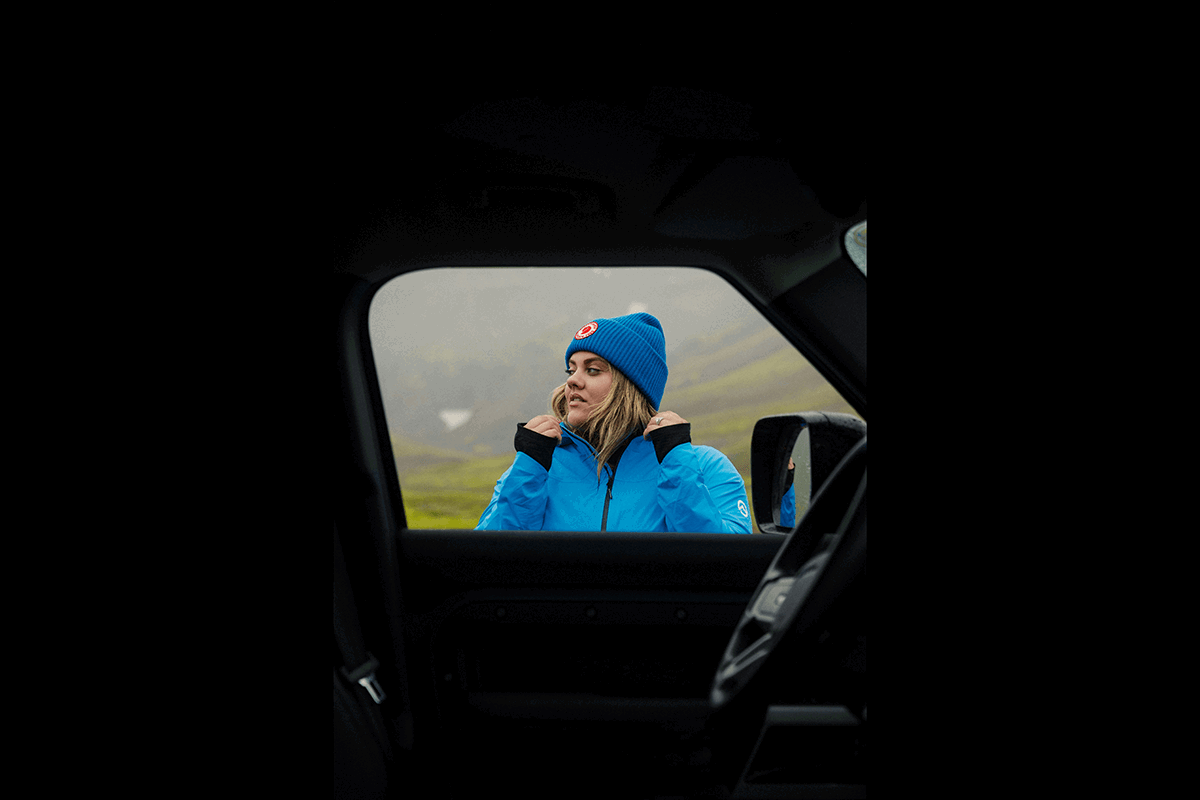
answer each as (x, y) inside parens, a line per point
(444, 488)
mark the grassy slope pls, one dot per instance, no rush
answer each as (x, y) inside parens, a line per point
(445, 488)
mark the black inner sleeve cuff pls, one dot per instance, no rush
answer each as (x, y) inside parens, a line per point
(790, 479)
(538, 447)
(668, 438)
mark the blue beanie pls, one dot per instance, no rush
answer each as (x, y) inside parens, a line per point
(634, 344)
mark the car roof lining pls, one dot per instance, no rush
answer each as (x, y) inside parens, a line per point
(635, 175)
(643, 162)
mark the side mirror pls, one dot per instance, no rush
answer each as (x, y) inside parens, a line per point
(815, 442)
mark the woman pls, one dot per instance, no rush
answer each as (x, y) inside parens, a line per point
(605, 459)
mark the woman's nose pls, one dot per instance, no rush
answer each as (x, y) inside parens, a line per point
(573, 380)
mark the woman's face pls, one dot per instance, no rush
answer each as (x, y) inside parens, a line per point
(588, 382)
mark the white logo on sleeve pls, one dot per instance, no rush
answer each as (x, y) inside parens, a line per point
(742, 508)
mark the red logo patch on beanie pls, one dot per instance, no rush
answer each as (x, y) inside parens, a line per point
(586, 330)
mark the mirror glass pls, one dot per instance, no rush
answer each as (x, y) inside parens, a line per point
(797, 483)
(798, 494)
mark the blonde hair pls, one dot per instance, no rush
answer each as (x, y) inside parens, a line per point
(623, 411)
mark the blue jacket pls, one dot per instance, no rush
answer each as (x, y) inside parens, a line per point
(787, 511)
(694, 490)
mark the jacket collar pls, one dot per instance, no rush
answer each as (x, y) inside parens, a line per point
(570, 436)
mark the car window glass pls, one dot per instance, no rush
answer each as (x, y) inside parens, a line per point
(463, 355)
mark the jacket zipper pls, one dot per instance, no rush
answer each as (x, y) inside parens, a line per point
(612, 475)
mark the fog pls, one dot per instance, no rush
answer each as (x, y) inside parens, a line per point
(482, 309)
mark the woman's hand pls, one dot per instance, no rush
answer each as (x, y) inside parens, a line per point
(661, 420)
(546, 425)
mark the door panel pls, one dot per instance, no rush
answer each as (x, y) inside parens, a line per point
(577, 661)
(435, 564)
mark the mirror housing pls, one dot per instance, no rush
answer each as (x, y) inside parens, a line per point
(828, 436)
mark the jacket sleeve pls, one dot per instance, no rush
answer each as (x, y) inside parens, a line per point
(519, 499)
(700, 492)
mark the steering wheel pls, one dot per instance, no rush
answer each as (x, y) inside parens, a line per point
(815, 564)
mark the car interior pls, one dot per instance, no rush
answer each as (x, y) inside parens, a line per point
(607, 664)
